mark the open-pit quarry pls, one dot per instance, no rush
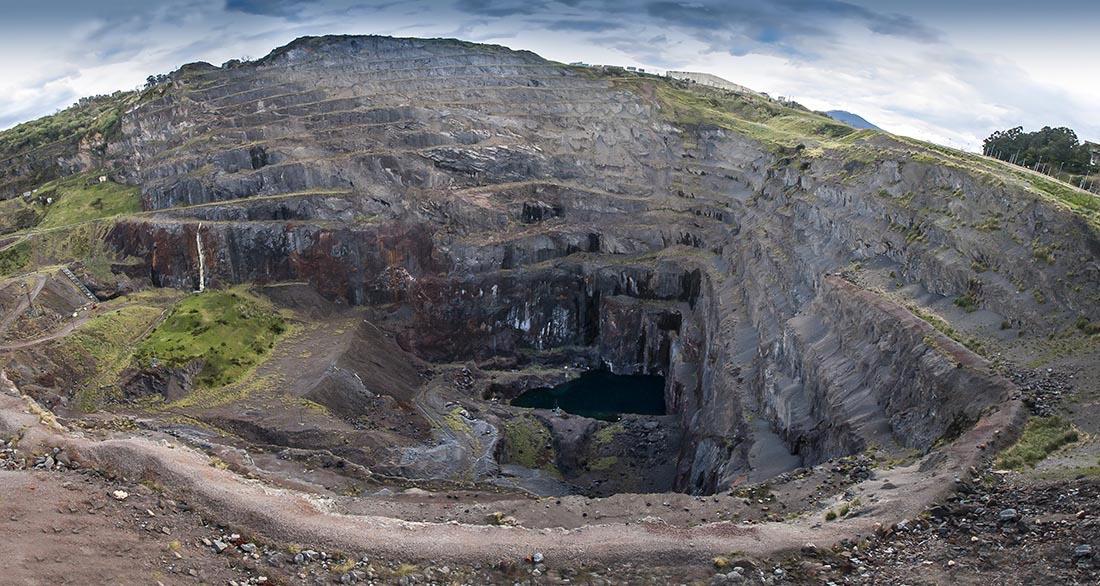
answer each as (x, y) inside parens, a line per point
(283, 308)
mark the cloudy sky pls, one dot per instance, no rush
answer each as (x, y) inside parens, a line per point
(951, 71)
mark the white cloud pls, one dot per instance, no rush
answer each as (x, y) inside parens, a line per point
(911, 73)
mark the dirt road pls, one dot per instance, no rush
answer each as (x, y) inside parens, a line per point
(286, 516)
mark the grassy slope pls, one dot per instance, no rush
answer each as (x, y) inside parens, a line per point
(36, 146)
(1080, 202)
(773, 124)
(104, 345)
(80, 198)
(229, 330)
(528, 442)
(83, 242)
(1042, 436)
(779, 127)
(96, 115)
(73, 200)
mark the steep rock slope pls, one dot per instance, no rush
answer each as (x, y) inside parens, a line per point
(509, 204)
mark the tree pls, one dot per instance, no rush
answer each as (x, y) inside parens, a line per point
(153, 80)
(1055, 148)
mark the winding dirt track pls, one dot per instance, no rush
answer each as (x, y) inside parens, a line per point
(285, 516)
(65, 331)
(24, 303)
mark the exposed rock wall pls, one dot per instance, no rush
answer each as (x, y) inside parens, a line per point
(857, 369)
(507, 204)
(357, 264)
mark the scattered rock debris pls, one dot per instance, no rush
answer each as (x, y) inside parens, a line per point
(1004, 530)
(1042, 390)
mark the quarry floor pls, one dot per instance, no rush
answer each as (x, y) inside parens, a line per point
(67, 526)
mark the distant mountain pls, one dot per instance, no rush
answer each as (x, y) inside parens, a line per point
(853, 120)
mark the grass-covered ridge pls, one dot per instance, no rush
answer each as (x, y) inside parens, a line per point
(229, 331)
(780, 127)
(94, 115)
(1042, 436)
(83, 197)
(772, 123)
(1082, 203)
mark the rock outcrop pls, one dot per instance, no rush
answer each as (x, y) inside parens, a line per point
(509, 204)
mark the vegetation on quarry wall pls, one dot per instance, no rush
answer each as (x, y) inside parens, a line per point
(229, 331)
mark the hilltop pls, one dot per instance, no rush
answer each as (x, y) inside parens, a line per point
(853, 120)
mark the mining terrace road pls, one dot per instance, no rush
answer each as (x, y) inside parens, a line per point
(286, 516)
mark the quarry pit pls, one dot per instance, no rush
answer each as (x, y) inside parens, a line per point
(348, 265)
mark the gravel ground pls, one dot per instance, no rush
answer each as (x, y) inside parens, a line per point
(1006, 530)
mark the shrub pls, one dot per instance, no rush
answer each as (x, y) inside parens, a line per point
(1041, 437)
(1087, 326)
(968, 303)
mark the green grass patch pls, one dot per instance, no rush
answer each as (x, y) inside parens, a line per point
(101, 349)
(454, 421)
(1086, 326)
(528, 442)
(15, 258)
(230, 331)
(602, 464)
(606, 435)
(82, 197)
(774, 124)
(1044, 252)
(1077, 199)
(968, 303)
(1042, 436)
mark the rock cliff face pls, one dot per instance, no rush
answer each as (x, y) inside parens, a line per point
(508, 204)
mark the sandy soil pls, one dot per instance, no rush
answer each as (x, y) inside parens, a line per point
(67, 528)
